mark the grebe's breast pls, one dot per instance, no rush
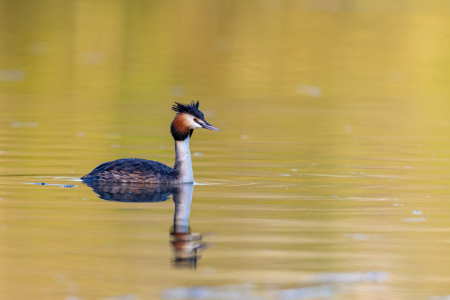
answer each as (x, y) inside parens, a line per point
(132, 170)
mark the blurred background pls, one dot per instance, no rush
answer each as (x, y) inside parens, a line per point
(93, 52)
(329, 178)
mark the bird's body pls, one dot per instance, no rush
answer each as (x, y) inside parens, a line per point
(187, 119)
(132, 170)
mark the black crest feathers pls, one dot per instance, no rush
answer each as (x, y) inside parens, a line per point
(191, 109)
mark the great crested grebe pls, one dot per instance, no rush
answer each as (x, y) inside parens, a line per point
(188, 118)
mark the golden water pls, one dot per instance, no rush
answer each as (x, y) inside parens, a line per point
(330, 177)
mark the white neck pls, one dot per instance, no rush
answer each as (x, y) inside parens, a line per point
(183, 162)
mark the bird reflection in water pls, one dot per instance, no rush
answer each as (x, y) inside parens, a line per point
(187, 246)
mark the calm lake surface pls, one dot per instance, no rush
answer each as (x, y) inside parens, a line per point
(330, 177)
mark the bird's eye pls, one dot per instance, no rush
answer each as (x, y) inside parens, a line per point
(195, 120)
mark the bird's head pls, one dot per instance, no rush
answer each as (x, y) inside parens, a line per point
(188, 118)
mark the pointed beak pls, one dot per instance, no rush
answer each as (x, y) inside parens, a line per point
(206, 125)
